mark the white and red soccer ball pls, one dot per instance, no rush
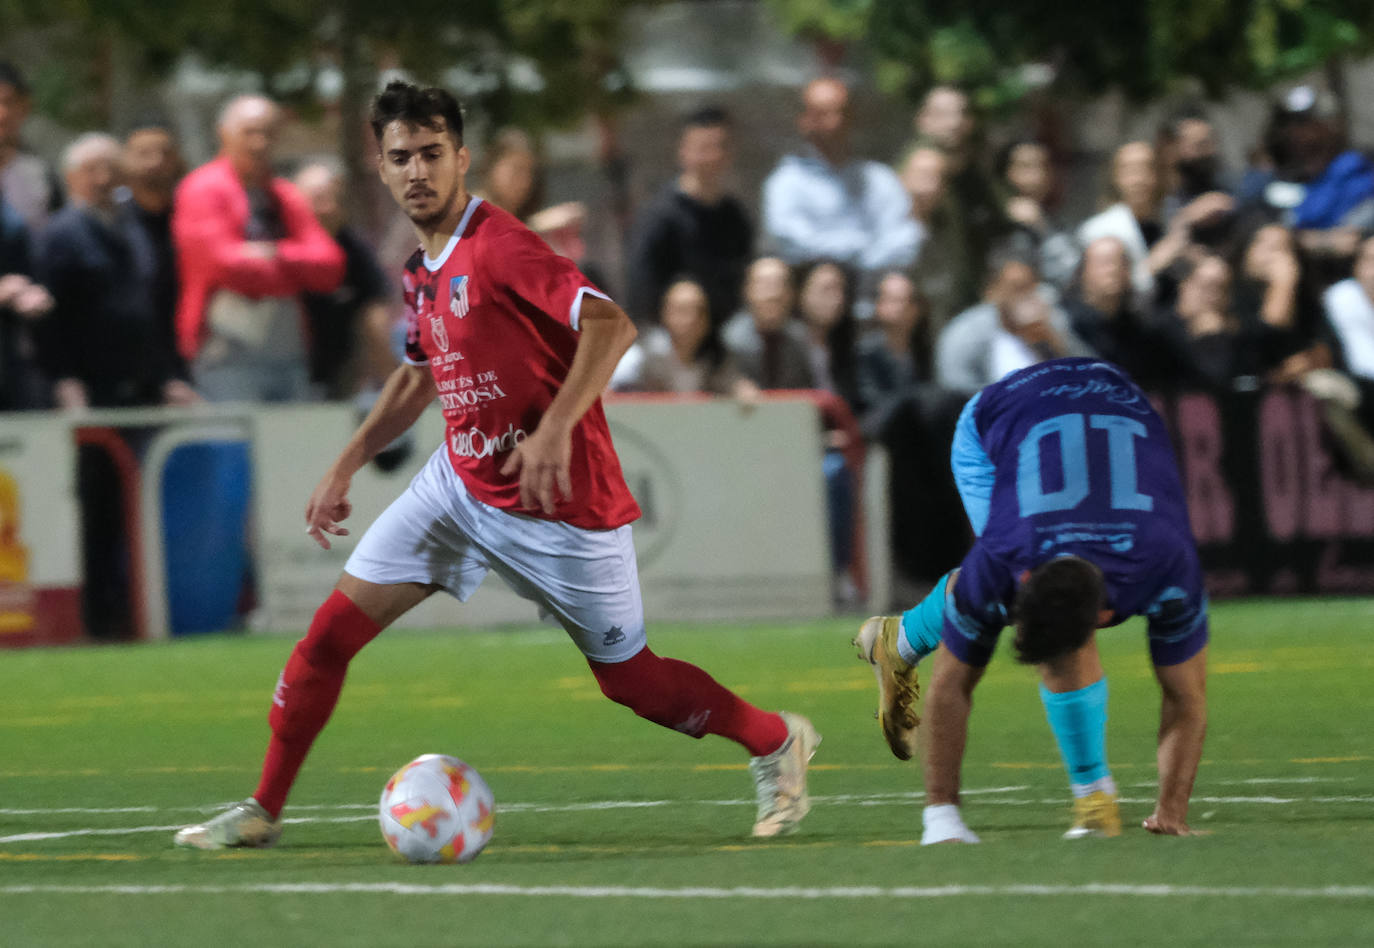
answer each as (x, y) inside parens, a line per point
(437, 809)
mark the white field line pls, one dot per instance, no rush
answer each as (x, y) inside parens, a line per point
(710, 892)
(878, 799)
(78, 809)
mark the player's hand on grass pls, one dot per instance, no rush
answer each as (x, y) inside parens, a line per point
(327, 506)
(542, 460)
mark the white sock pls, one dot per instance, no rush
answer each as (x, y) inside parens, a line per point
(942, 824)
(1105, 784)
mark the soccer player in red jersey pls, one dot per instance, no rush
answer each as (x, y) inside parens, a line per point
(518, 346)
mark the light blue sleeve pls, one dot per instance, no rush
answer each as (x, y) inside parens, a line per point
(806, 216)
(973, 470)
(896, 236)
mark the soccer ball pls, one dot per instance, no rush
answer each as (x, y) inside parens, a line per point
(437, 809)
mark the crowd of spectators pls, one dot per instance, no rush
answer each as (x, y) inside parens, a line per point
(898, 283)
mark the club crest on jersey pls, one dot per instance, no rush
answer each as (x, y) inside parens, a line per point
(438, 332)
(458, 296)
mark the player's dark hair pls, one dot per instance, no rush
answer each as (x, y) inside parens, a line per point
(710, 116)
(11, 76)
(431, 108)
(1056, 609)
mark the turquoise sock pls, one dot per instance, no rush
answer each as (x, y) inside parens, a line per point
(1079, 721)
(922, 624)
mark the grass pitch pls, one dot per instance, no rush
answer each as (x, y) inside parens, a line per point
(611, 831)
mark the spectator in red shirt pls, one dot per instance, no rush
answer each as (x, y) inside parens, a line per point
(248, 246)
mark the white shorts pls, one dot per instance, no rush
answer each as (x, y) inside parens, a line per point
(436, 532)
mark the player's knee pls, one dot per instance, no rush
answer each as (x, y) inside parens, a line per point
(1057, 608)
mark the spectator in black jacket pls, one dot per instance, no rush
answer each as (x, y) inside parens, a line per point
(693, 227)
(104, 344)
(22, 302)
(152, 166)
(350, 328)
(1104, 313)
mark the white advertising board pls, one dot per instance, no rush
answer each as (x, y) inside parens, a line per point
(733, 526)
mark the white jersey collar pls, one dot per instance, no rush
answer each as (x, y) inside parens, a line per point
(434, 264)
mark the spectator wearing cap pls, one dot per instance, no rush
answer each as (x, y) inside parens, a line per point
(1318, 187)
(822, 202)
(28, 183)
(248, 246)
(693, 226)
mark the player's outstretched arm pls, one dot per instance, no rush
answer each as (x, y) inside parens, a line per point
(408, 390)
(1182, 727)
(543, 458)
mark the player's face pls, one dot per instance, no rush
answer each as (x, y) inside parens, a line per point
(424, 168)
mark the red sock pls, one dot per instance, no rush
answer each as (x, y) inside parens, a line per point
(685, 698)
(307, 691)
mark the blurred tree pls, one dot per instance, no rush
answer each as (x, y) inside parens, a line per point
(536, 63)
(1000, 49)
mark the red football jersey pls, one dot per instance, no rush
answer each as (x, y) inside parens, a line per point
(495, 318)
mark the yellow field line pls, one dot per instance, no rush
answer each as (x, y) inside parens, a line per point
(694, 768)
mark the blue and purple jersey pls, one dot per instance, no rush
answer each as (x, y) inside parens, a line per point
(1067, 457)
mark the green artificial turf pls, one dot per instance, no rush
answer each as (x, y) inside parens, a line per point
(611, 831)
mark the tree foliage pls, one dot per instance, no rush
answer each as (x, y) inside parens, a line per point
(1143, 48)
(539, 62)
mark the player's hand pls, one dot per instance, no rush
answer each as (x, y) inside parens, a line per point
(1166, 825)
(542, 461)
(327, 506)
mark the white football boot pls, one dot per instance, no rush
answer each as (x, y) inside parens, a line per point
(780, 779)
(244, 824)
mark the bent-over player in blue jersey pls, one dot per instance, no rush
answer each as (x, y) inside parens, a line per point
(1069, 480)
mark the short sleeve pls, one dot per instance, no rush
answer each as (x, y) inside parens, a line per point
(525, 266)
(1176, 618)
